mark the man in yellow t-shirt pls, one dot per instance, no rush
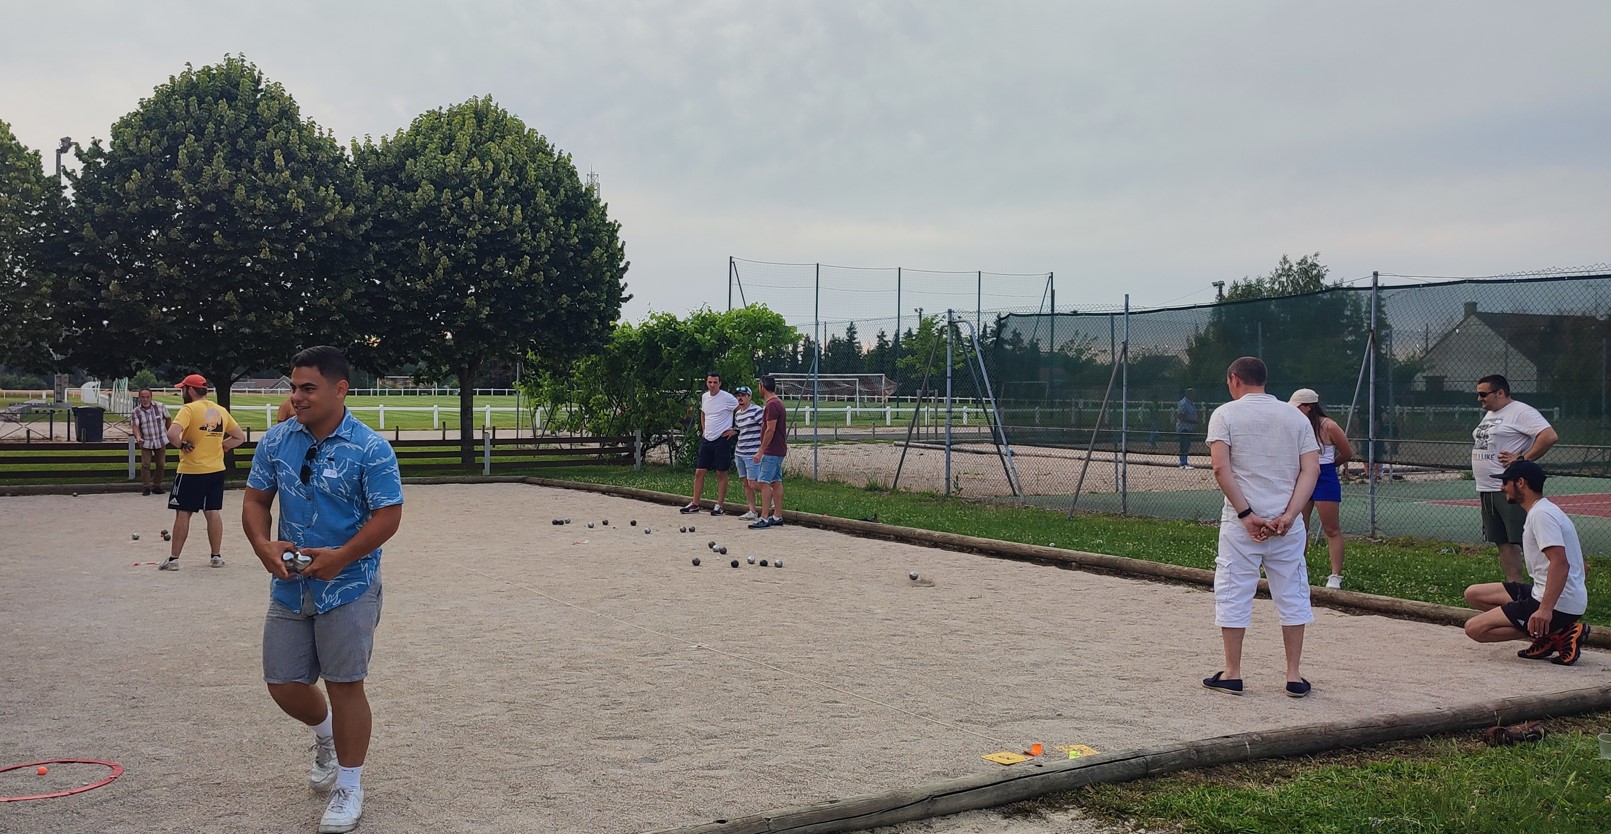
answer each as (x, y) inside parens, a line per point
(202, 430)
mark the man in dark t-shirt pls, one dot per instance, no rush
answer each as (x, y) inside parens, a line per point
(769, 460)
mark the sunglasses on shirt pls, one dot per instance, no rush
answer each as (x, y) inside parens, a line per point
(307, 463)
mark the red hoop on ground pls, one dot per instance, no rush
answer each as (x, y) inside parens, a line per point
(117, 770)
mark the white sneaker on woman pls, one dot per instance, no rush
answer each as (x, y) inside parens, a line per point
(342, 814)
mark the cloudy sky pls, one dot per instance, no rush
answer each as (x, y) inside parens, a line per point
(1148, 148)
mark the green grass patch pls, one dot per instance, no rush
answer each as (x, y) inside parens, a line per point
(1444, 785)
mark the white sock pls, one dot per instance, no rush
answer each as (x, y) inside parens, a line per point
(349, 777)
(325, 728)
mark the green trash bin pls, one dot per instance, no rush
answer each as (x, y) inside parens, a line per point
(90, 421)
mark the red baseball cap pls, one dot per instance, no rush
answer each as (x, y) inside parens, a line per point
(193, 381)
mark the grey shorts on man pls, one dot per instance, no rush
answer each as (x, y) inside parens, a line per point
(336, 645)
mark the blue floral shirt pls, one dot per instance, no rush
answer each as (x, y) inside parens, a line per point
(352, 473)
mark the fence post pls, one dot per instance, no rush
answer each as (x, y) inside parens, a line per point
(637, 451)
(382, 408)
(486, 452)
(887, 415)
(131, 457)
(268, 414)
(487, 423)
(436, 416)
(847, 416)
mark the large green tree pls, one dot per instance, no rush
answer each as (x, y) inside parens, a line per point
(29, 201)
(488, 246)
(216, 232)
(648, 376)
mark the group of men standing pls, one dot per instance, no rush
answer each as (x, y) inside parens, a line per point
(735, 433)
(1265, 459)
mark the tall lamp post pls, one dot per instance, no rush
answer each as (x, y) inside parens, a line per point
(64, 147)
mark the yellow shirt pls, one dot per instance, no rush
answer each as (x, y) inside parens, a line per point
(205, 424)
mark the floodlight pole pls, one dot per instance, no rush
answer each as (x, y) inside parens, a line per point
(65, 146)
(950, 323)
(816, 366)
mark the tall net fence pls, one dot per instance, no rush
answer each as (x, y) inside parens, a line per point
(1092, 405)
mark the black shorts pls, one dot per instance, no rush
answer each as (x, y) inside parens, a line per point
(1522, 606)
(716, 454)
(192, 492)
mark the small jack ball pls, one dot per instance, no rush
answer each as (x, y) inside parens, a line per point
(751, 560)
(696, 561)
(42, 770)
(763, 563)
(735, 563)
(913, 574)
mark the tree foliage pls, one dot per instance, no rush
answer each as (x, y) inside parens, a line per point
(488, 246)
(29, 202)
(649, 376)
(217, 232)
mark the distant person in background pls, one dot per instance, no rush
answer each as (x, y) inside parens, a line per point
(1510, 430)
(286, 412)
(1549, 609)
(149, 419)
(1334, 454)
(716, 440)
(202, 430)
(1153, 408)
(774, 446)
(1186, 424)
(747, 419)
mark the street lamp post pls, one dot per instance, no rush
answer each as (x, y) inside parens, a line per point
(65, 146)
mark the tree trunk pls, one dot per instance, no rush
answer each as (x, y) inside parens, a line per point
(467, 437)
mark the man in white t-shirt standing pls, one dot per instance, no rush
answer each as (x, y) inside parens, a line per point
(1510, 431)
(1266, 460)
(716, 436)
(1549, 610)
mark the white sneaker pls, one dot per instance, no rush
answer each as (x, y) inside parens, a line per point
(346, 806)
(1334, 581)
(322, 775)
(749, 516)
(169, 564)
(218, 561)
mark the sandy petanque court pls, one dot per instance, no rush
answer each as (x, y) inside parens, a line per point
(534, 678)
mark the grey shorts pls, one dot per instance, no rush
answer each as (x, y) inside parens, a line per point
(1501, 520)
(335, 645)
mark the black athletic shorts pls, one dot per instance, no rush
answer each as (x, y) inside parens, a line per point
(1519, 610)
(193, 493)
(716, 454)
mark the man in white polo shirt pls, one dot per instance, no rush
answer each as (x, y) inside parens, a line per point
(1266, 460)
(716, 436)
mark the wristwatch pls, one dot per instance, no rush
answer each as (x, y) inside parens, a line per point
(1245, 513)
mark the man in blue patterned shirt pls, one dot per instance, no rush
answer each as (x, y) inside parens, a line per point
(341, 498)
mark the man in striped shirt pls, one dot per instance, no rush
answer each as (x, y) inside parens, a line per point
(748, 421)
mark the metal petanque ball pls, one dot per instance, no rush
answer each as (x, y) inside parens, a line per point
(722, 549)
(690, 528)
(778, 564)
(735, 563)
(647, 531)
(751, 560)
(696, 561)
(136, 536)
(633, 522)
(913, 574)
(590, 525)
(682, 529)
(605, 522)
(763, 563)
(711, 545)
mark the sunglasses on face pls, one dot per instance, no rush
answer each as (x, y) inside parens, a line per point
(1483, 395)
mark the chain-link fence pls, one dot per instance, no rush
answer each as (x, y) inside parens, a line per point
(1090, 403)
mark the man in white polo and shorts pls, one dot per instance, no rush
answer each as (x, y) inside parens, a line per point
(1266, 460)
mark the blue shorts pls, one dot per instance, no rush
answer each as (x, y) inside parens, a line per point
(746, 467)
(771, 469)
(1327, 486)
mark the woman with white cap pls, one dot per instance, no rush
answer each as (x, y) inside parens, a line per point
(1334, 452)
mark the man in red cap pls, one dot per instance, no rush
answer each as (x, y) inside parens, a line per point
(202, 430)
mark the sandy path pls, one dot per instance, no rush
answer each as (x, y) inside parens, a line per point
(537, 678)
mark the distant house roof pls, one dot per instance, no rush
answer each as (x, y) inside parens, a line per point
(1537, 338)
(279, 383)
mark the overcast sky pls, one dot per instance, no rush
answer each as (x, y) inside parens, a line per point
(1148, 148)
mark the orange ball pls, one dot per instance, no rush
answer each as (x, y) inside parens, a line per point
(43, 770)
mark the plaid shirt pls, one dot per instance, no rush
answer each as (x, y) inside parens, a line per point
(152, 423)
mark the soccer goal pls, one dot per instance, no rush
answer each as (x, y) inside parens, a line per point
(854, 388)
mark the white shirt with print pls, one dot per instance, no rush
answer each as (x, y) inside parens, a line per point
(1510, 429)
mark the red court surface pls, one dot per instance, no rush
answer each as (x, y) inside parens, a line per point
(1595, 504)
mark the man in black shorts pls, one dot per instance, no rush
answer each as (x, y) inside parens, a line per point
(1547, 611)
(202, 430)
(716, 438)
